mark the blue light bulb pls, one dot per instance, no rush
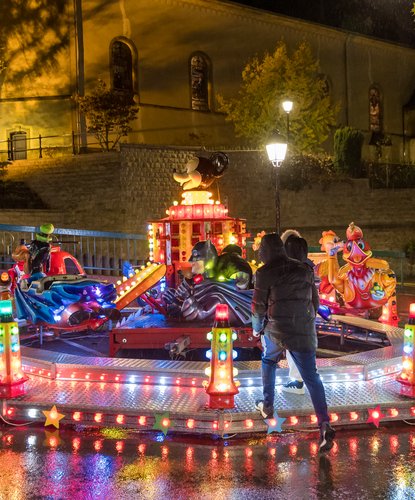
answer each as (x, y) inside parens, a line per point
(222, 355)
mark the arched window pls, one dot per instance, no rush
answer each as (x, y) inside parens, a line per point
(199, 81)
(375, 110)
(121, 67)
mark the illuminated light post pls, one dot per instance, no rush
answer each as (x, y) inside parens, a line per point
(287, 107)
(407, 376)
(221, 387)
(12, 377)
(276, 150)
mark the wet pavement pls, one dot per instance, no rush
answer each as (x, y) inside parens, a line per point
(45, 463)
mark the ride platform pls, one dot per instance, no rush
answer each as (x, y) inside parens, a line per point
(138, 393)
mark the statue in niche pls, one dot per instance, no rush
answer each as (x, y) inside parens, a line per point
(199, 82)
(374, 110)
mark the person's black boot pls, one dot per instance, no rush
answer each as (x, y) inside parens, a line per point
(327, 434)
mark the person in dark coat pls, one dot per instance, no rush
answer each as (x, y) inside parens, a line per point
(296, 248)
(284, 307)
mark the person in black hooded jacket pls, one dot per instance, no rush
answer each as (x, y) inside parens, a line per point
(296, 248)
(284, 307)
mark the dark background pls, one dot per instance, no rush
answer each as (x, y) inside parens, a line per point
(385, 19)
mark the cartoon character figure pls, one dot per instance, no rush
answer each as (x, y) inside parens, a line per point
(364, 282)
(227, 266)
(201, 172)
(39, 252)
(20, 269)
(331, 244)
(224, 278)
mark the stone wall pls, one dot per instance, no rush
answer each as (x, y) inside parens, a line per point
(123, 191)
(248, 188)
(81, 191)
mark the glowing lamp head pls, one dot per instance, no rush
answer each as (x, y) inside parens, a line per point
(276, 150)
(222, 312)
(287, 106)
(223, 337)
(6, 308)
(408, 332)
(197, 278)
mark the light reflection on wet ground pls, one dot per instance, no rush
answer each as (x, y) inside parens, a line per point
(369, 464)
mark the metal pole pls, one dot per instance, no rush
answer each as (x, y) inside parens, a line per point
(277, 201)
(288, 128)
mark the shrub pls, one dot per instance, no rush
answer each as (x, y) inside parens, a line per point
(348, 144)
(391, 175)
(300, 171)
(409, 250)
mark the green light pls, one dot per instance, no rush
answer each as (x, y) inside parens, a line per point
(14, 330)
(6, 308)
(223, 337)
(408, 332)
(209, 336)
(234, 335)
(221, 278)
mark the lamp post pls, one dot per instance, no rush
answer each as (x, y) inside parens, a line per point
(287, 107)
(276, 150)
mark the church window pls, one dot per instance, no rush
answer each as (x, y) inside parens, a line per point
(121, 67)
(199, 80)
(375, 110)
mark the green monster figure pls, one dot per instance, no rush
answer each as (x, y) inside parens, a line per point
(39, 252)
(227, 266)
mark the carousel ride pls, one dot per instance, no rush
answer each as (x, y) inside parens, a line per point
(198, 276)
(50, 288)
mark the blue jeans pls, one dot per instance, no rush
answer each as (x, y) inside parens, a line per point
(306, 364)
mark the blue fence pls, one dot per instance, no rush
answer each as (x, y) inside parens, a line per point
(99, 252)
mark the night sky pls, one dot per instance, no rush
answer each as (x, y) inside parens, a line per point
(386, 19)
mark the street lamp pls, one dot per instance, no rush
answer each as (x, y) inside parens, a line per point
(287, 107)
(276, 150)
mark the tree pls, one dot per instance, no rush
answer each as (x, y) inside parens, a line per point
(108, 114)
(348, 143)
(32, 35)
(257, 109)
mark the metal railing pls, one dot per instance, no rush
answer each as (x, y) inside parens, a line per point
(43, 146)
(101, 252)
(98, 252)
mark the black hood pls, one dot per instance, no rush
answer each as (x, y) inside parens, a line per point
(271, 248)
(296, 248)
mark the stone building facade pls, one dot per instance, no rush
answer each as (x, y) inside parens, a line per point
(174, 56)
